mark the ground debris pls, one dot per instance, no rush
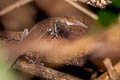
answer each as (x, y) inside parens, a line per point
(44, 72)
(96, 3)
(10, 35)
(113, 73)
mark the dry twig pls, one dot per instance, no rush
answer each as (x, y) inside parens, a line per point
(14, 6)
(96, 3)
(44, 72)
(113, 72)
(79, 7)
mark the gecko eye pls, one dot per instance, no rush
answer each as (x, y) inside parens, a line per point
(57, 29)
(62, 32)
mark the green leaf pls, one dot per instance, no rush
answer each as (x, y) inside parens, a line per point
(116, 3)
(107, 17)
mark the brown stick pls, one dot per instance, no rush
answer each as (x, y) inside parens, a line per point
(96, 3)
(113, 72)
(44, 72)
(79, 7)
(14, 6)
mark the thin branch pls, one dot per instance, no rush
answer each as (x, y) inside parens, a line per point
(111, 71)
(14, 6)
(96, 3)
(44, 72)
(79, 7)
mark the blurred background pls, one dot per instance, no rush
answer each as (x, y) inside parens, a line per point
(30, 14)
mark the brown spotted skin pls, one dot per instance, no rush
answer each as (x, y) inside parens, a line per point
(70, 28)
(67, 29)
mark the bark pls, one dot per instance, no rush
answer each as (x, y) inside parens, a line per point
(96, 3)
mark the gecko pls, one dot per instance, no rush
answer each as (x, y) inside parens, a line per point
(51, 29)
